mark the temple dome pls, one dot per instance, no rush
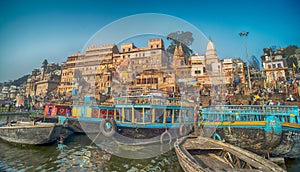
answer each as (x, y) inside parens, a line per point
(211, 53)
(210, 46)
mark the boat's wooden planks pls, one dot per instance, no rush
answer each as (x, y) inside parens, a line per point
(203, 154)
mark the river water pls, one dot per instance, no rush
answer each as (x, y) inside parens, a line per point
(77, 155)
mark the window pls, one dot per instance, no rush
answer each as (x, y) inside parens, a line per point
(269, 66)
(197, 71)
(279, 65)
(274, 65)
(204, 70)
(181, 63)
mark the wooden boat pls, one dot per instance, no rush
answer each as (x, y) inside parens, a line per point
(205, 154)
(31, 133)
(86, 117)
(266, 130)
(60, 110)
(151, 118)
(135, 120)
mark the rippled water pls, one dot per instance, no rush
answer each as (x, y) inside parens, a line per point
(77, 155)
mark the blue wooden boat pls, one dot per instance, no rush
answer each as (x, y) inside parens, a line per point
(135, 120)
(265, 130)
(152, 118)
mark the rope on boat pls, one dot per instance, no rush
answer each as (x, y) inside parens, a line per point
(217, 136)
(182, 130)
(162, 137)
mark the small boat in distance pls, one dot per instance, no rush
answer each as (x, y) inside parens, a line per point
(205, 154)
(31, 133)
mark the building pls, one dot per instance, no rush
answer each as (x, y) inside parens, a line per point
(274, 68)
(233, 72)
(211, 58)
(44, 87)
(13, 92)
(90, 73)
(198, 68)
(133, 60)
(67, 75)
(5, 93)
(43, 82)
(31, 82)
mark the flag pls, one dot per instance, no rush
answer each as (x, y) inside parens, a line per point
(294, 66)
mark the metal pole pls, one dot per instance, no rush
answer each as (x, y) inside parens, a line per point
(248, 71)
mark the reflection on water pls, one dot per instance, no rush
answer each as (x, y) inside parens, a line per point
(77, 154)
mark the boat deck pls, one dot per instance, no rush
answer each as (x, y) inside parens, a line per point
(211, 155)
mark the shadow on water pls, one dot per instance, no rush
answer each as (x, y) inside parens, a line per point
(77, 154)
(292, 165)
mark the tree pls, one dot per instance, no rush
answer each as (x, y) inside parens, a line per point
(291, 60)
(290, 50)
(180, 37)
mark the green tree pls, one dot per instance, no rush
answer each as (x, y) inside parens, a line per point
(290, 50)
(180, 37)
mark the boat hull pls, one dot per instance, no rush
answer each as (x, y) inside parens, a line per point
(255, 137)
(143, 136)
(31, 134)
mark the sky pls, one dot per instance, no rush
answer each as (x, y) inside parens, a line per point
(31, 31)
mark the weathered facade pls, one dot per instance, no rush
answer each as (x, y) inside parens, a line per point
(67, 75)
(274, 67)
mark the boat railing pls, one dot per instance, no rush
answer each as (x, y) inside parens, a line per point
(153, 100)
(289, 114)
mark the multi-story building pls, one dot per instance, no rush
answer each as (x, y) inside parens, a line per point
(274, 67)
(239, 72)
(131, 61)
(31, 82)
(67, 75)
(5, 92)
(44, 81)
(233, 71)
(151, 57)
(197, 62)
(13, 91)
(228, 67)
(92, 71)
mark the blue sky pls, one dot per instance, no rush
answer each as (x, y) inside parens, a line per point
(31, 31)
